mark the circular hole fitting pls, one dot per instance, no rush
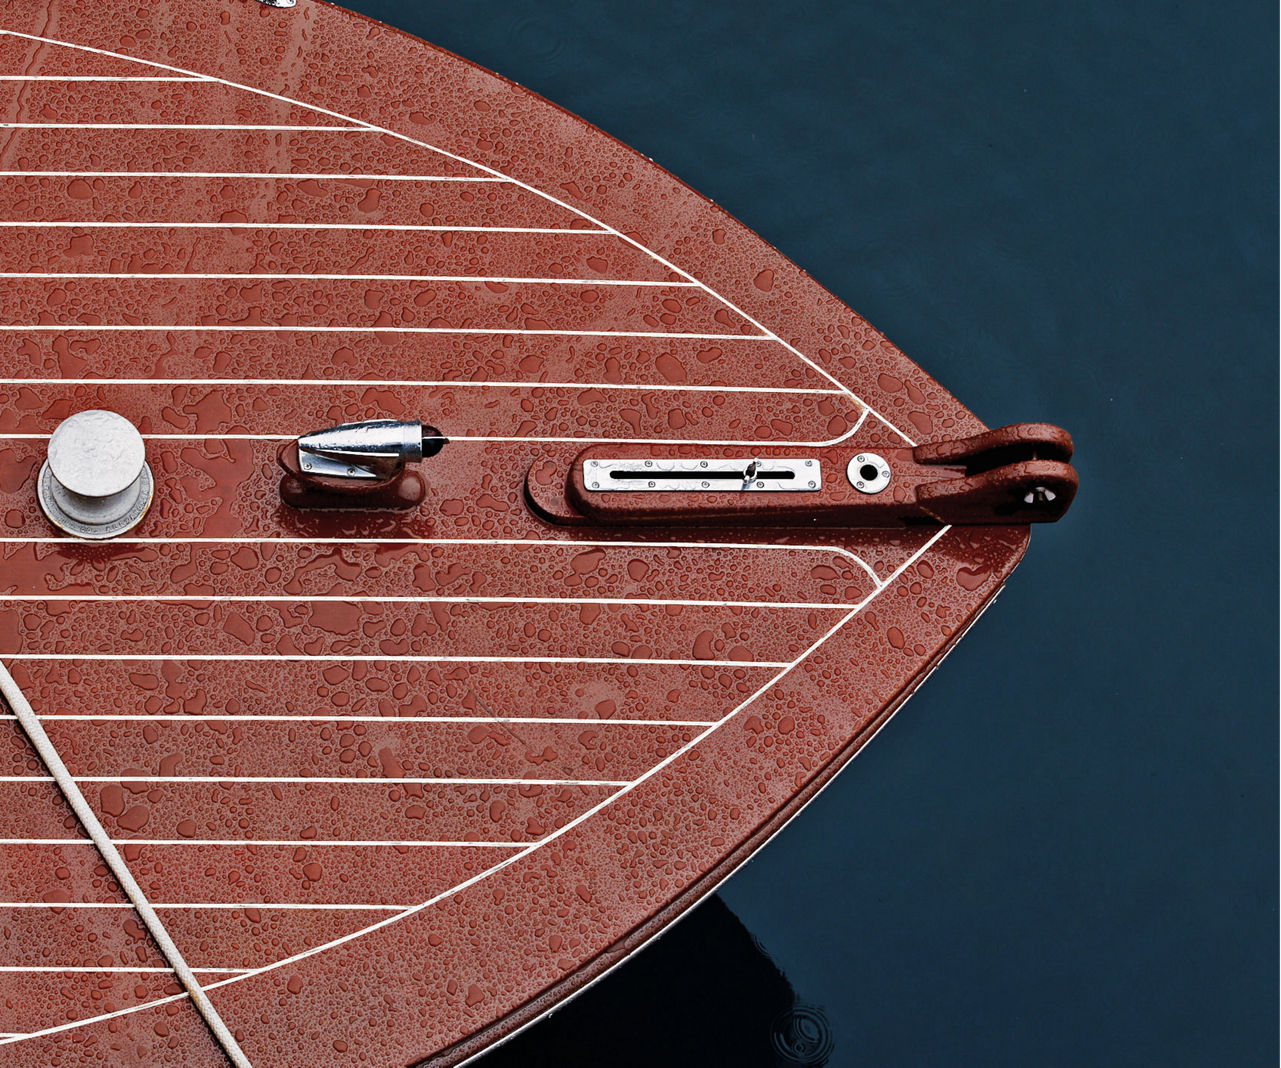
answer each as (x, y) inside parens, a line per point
(868, 473)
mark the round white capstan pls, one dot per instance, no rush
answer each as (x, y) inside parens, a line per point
(96, 453)
(95, 482)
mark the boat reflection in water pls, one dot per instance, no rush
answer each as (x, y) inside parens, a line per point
(705, 992)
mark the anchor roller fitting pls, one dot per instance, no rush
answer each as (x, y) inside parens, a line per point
(1015, 474)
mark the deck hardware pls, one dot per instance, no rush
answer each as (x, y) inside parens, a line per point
(702, 475)
(358, 465)
(868, 473)
(95, 483)
(376, 450)
(278, 3)
(1012, 475)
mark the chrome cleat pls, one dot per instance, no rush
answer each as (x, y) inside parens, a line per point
(358, 465)
(373, 451)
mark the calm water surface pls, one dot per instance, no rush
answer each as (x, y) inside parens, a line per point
(1064, 852)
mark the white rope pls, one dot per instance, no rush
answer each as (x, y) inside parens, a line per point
(88, 818)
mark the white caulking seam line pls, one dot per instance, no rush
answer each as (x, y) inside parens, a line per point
(539, 542)
(196, 598)
(745, 443)
(418, 383)
(294, 175)
(584, 215)
(100, 78)
(468, 278)
(66, 785)
(648, 774)
(161, 1001)
(624, 237)
(859, 423)
(181, 328)
(182, 717)
(296, 906)
(277, 128)
(370, 843)
(348, 780)
(222, 81)
(99, 1018)
(52, 224)
(379, 658)
(452, 436)
(773, 443)
(621, 236)
(561, 543)
(711, 292)
(763, 689)
(110, 968)
(492, 171)
(604, 804)
(586, 439)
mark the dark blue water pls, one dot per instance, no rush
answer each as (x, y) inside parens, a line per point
(1065, 851)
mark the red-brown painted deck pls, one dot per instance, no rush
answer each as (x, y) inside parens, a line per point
(395, 783)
